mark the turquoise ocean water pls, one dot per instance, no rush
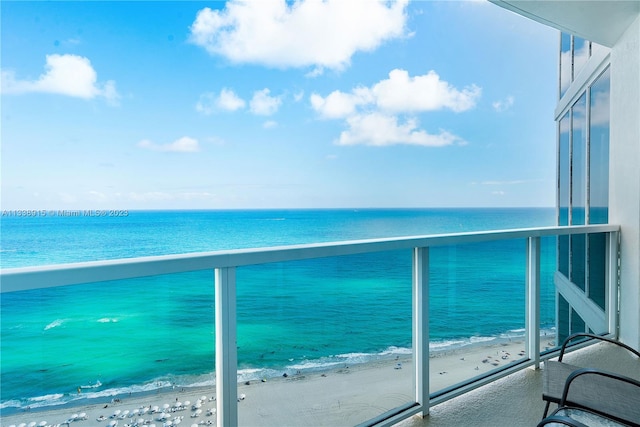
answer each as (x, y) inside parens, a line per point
(113, 338)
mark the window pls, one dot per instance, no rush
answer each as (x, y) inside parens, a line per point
(583, 175)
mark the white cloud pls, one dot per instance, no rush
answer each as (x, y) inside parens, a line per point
(181, 145)
(339, 104)
(320, 34)
(227, 100)
(503, 105)
(69, 75)
(380, 129)
(270, 124)
(375, 115)
(263, 104)
(427, 92)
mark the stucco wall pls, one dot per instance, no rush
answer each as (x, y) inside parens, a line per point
(625, 174)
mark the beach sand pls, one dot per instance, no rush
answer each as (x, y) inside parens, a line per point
(342, 396)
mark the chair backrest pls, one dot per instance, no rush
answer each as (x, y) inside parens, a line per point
(609, 394)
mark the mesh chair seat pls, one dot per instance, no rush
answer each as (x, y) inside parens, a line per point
(597, 398)
(556, 372)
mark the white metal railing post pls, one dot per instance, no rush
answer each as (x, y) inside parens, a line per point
(421, 326)
(226, 347)
(533, 300)
(612, 272)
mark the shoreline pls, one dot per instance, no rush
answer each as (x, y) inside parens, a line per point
(338, 395)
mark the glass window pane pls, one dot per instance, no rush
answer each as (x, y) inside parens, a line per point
(581, 54)
(564, 181)
(578, 161)
(599, 151)
(578, 259)
(565, 62)
(597, 268)
(577, 323)
(563, 319)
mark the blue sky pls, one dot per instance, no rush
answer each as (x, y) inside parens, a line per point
(267, 104)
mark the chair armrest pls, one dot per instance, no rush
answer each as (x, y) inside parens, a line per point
(606, 393)
(559, 419)
(593, 336)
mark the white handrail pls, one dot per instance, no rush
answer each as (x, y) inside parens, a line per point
(24, 278)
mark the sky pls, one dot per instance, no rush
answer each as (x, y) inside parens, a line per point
(267, 104)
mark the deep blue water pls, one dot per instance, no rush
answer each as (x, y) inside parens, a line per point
(145, 333)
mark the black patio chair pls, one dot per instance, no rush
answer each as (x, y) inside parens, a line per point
(556, 372)
(592, 397)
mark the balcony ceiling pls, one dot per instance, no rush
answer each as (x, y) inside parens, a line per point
(602, 22)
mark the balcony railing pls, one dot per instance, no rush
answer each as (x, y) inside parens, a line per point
(424, 275)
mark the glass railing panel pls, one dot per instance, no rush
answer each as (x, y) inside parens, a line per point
(476, 309)
(324, 341)
(597, 267)
(548, 321)
(104, 347)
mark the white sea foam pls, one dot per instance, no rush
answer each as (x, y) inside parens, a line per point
(107, 320)
(54, 324)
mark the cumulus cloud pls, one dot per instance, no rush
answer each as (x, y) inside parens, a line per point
(427, 92)
(384, 114)
(379, 129)
(69, 75)
(277, 33)
(339, 104)
(263, 104)
(226, 100)
(503, 105)
(181, 145)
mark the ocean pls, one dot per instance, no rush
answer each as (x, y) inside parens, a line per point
(99, 340)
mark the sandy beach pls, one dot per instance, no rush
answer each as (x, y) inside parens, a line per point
(342, 396)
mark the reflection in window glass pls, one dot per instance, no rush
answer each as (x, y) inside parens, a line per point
(581, 54)
(597, 268)
(578, 161)
(599, 151)
(566, 63)
(564, 169)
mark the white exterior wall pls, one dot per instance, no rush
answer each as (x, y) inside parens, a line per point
(624, 170)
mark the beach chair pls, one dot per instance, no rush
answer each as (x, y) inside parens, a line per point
(592, 397)
(556, 372)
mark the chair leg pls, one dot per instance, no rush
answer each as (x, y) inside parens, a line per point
(546, 409)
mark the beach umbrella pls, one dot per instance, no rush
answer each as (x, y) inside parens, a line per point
(33, 424)
(166, 406)
(82, 416)
(113, 423)
(194, 425)
(187, 403)
(203, 398)
(155, 409)
(42, 423)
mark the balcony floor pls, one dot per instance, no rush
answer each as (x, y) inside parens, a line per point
(516, 400)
